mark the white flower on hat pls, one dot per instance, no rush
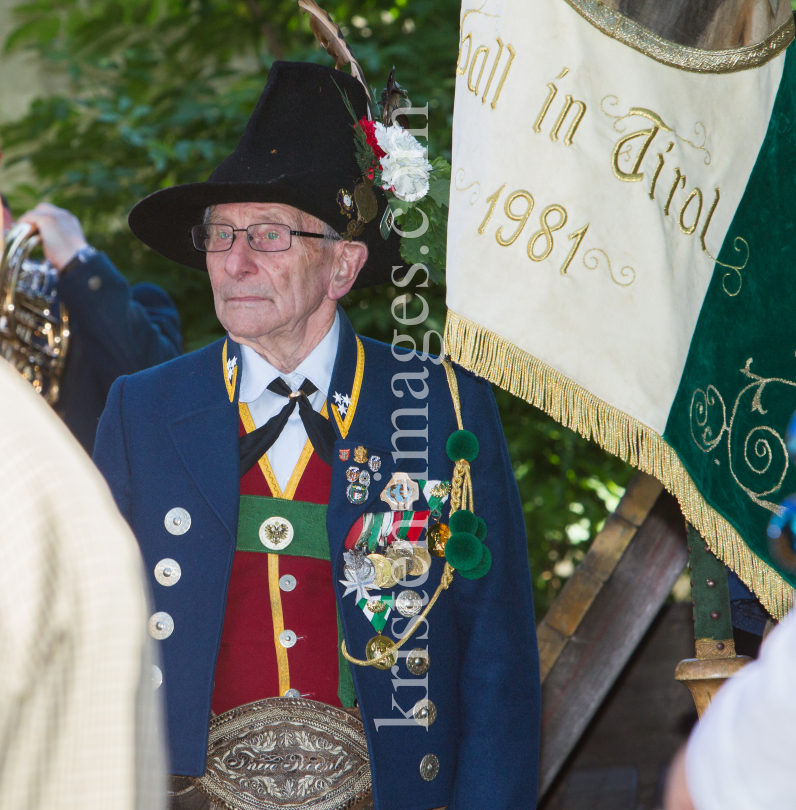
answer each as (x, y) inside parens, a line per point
(405, 168)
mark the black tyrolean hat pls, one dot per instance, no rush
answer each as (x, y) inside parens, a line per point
(298, 149)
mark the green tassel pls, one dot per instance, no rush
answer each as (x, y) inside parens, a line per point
(463, 521)
(462, 444)
(464, 551)
(482, 567)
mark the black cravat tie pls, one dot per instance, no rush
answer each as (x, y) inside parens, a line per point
(253, 446)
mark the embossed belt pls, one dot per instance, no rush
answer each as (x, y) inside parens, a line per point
(281, 754)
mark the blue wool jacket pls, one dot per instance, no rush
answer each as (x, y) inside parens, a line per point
(116, 329)
(169, 438)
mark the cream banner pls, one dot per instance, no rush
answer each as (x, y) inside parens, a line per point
(592, 189)
(621, 240)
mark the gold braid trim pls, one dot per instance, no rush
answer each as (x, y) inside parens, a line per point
(462, 482)
(518, 372)
(696, 60)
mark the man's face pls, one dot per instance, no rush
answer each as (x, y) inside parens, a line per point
(264, 294)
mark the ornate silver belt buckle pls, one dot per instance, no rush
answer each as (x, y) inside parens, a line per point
(281, 754)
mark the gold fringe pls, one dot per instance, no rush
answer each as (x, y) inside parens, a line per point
(518, 372)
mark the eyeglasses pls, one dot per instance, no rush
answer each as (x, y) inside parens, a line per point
(266, 237)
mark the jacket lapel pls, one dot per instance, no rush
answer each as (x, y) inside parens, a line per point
(346, 385)
(347, 376)
(206, 438)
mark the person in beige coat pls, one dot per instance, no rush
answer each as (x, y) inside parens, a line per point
(79, 718)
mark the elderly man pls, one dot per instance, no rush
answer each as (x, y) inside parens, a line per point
(281, 482)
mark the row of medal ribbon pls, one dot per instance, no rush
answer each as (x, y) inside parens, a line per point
(383, 549)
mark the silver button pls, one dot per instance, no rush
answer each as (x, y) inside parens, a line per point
(161, 625)
(292, 693)
(417, 662)
(429, 767)
(276, 533)
(287, 582)
(157, 677)
(94, 283)
(287, 638)
(177, 520)
(168, 572)
(424, 712)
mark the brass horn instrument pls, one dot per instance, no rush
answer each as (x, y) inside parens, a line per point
(34, 326)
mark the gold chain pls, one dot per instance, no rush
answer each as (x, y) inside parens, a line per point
(461, 487)
(447, 578)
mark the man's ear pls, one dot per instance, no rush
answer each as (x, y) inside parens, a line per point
(350, 258)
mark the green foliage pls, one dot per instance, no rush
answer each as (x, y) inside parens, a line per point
(368, 164)
(429, 218)
(160, 92)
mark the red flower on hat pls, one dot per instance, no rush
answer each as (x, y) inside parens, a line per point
(369, 128)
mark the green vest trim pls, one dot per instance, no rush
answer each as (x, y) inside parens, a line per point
(308, 520)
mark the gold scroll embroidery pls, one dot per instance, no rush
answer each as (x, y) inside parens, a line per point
(496, 359)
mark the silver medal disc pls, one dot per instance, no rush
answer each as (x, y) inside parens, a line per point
(409, 603)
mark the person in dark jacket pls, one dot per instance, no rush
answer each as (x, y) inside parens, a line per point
(116, 329)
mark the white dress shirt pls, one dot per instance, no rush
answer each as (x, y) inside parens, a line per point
(740, 755)
(257, 374)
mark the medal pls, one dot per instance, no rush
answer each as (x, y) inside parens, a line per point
(408, 603)
(421, 560)
(383, 570)
(401, 492)
(400, 566)
(346, 202)
(436, 537)
(357, 565)
(351, 474)
(360, 455)
(374, 462)
(359, 580)
(377, 606)
(344, 454)
(375, 647)
(436, 493)
(356, 493)
(364, 478)
(370, 533)
(402, 549)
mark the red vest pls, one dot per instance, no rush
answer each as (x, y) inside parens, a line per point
(251, 661)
